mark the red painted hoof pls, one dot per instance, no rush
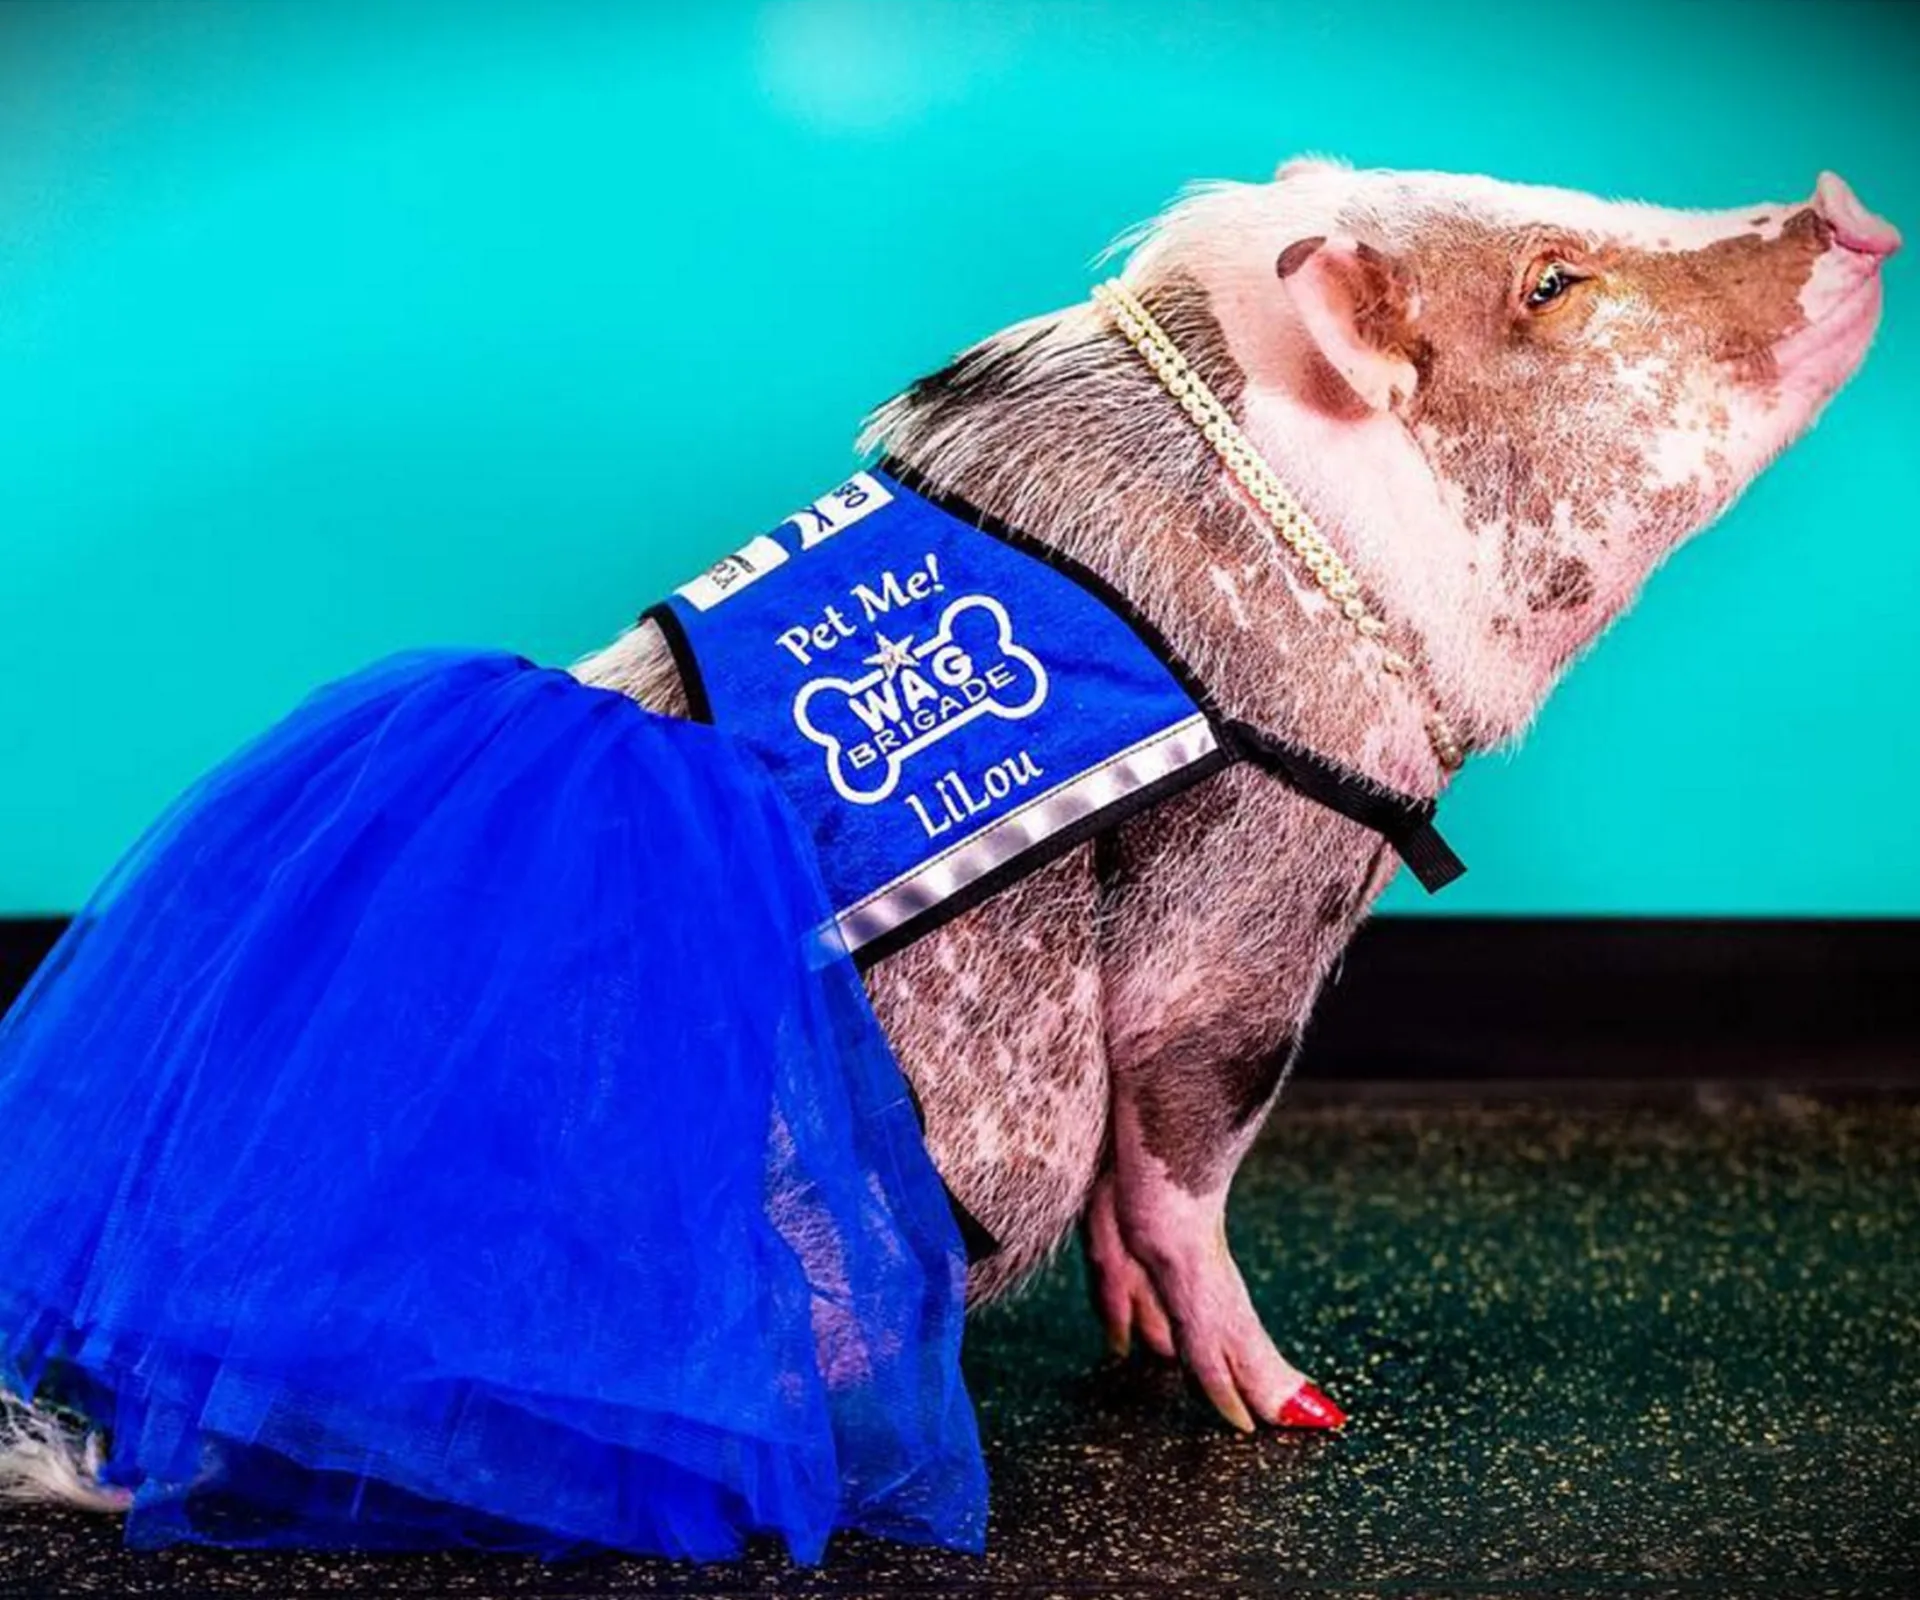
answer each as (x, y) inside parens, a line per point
(1311, 1409)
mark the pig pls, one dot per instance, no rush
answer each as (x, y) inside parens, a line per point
(1503, 405)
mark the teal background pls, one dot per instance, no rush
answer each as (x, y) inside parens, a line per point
(331, 329)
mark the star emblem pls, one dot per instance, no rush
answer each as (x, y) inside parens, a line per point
(891, 655)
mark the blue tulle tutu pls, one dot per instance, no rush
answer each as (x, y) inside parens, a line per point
(450, 1125)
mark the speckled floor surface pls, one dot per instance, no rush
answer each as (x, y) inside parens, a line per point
(1587, 1352)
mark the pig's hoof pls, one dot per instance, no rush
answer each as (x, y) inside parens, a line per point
(1309, 1408)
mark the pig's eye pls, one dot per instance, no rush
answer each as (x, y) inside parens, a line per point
(1547, 282)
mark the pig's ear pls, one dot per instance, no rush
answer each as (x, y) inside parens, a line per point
(1353, 305)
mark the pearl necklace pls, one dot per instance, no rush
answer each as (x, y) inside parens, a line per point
(1284, 515)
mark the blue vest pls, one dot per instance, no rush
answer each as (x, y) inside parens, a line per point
(950, 705)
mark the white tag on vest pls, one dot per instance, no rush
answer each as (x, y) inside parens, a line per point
(732, 573)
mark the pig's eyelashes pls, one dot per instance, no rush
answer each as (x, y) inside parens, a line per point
(1547, 283)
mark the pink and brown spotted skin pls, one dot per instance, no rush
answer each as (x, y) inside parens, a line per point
(1504, 405)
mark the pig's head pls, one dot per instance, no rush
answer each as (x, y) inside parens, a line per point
(1509, 403)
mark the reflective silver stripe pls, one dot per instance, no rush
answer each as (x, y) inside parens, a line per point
(945, 875)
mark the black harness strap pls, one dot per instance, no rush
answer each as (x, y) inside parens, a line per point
(1404, 822)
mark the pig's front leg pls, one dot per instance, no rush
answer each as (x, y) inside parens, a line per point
(1157, 1246)
(1225, 913)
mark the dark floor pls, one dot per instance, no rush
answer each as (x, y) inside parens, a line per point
(1597, 1351)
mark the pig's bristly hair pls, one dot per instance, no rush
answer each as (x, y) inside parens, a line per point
(1133, 239)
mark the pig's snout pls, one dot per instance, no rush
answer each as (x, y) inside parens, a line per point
(1854, 226)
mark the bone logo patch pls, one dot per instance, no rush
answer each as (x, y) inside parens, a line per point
(917, 693)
